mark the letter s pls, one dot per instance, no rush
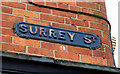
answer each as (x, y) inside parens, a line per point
(87, 40)
(23, 28)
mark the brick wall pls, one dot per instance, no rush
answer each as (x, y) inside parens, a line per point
(20, 10)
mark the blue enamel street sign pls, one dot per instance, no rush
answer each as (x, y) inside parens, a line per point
(64, 36)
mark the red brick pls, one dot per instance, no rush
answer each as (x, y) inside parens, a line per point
(12, 0)
(77, 22)
(87, 5)
(108, 50)
(104, 15)
(106, 41)
(37, 21)
(0, 16)
(110, 63)
(96, 32)
(38, 9)
(7, 32)
(102, 2)
(51, 46)
(69, 27)
(74, 8)
(71, 2)
(41, 2)
(99, 26)
(62, 6)
(97, 53)
(104, 22)
(14, 4)
(13, 47)
(6, 10)
(106, 35)
(51, 4)
(39, 51)
(35, 1)
(7, 39)
(102, 8)
(11, 18)
(26, 13)
(84, 10)
(93, 60)
(1, 45)
(24, 1)
(6, 24)
(94, 1)
(66, 56)
(64, 14)
(95, 12)
(108, 56)
(80, 50)
(51, 18)
(89, 18)
(91, 11)
(27, 42)
(101, 48)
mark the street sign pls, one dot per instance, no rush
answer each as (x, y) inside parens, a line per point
(59, 35)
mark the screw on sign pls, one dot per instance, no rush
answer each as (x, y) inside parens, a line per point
(62, 48)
